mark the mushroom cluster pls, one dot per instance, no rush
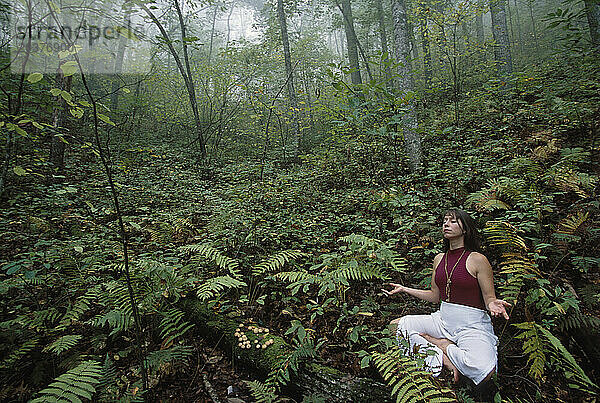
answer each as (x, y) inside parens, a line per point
(261, 342)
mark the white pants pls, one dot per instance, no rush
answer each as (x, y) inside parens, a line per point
(474, 352)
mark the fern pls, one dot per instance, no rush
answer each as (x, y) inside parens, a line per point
(173, 326)
(572, 223)
(79, 308)
(108, 381)
(573, 372)
(19, 353)
(578, 321)
(262, 393)
(515, 266)
(288, 364)
(277, 262)
(156, 359)
(116, 319)
(63, 343)
(216, 285)
(534, 348)
(407, 380)
(538, 342)
(501, 233)
(74, 385)
(208, 252)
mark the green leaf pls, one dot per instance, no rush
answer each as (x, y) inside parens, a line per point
(66, 96)
(69, 68)
(105, 119)
(34, 77)
(78, 249)
(19, 171)
(55, 91)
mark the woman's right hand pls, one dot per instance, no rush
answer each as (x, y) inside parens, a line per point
(395, 290)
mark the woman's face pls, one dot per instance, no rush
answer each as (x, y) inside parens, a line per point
(452, 227)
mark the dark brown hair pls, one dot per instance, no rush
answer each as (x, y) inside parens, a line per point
(469, 227)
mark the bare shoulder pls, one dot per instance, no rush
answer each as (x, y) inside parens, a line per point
(437, 259)
(478, 261)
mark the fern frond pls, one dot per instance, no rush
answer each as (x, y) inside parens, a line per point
(407, 380)
(288, 364)
(574, 373)
(108, 381)
(352, 270)
(39, 320)
(534, 348)
(277, 261)
(19, 353)
(295, 276)
(74, 385)
(172, 326)
(175, 354)
(216, 285)
(361, 240)
(578, 321)
(262, 393)
(81, 306)
(501, 233)
(118, 320)
(63, 343)
(572, 223)
(208, 252)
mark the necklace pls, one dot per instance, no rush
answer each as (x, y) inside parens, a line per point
(449, 276)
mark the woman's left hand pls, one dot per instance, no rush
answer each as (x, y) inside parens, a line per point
(498, 307)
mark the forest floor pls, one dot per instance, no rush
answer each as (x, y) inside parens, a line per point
(539, 173)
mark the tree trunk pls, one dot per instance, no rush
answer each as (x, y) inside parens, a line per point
(332, 385)
(426, 52)
(57, 145)
(592, 9)
(479, 24)
(212, 33)
(352, 42)
(501, 41)
(406, 83)
(184, 71)
(290, 79)
(518, 23)
(535, 37)
(383, 40)
(114, 96)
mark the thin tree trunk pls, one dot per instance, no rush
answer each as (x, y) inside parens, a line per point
(352, 42)
(212, 33)
(592, 9)
(290, 82)
(383, 40)
(479, 24)
(519, 33)
(406, 84)
(185, 71)
(426, 52)
(229, 24)
(501, 40)
(535, 37)
(114, 97)
(57, 145)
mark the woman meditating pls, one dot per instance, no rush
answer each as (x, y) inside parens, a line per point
(460, 332)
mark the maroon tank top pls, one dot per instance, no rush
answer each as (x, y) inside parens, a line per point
(464, 288)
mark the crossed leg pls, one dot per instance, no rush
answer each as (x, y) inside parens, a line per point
(443, 345)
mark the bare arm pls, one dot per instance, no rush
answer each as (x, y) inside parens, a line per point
(432, 295)
(480, 266)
